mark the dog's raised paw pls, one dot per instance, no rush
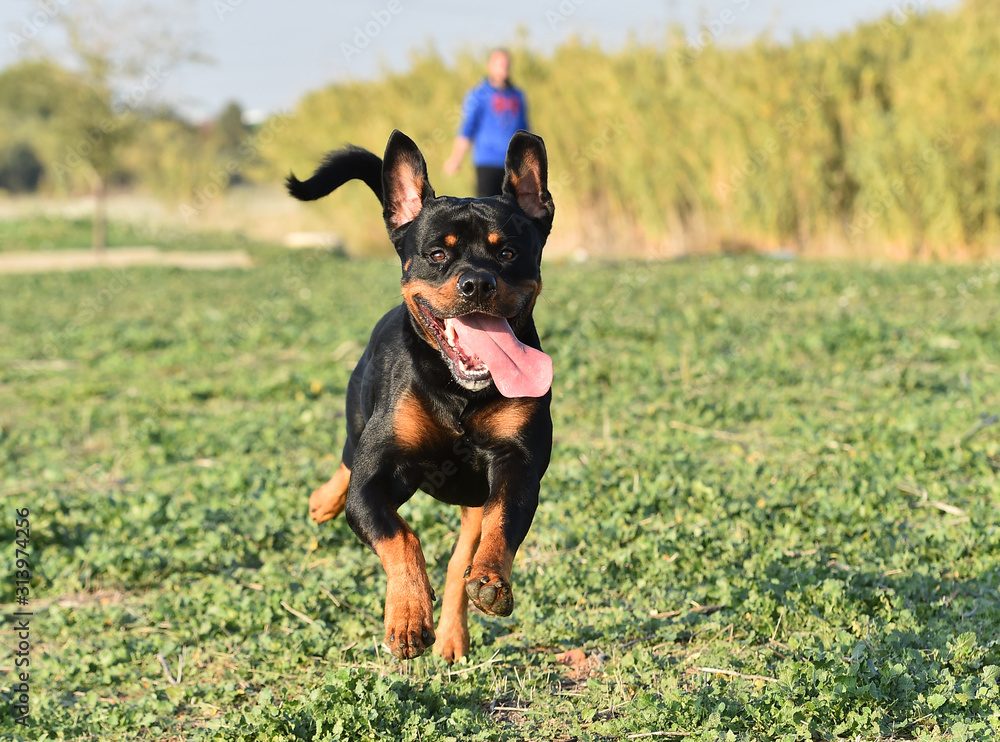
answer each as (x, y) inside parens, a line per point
(490, 592)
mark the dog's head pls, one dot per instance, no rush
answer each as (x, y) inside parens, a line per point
(471, 267)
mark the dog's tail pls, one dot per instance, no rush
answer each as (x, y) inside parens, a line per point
(337, 168)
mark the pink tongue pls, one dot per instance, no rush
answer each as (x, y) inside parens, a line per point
(517, 370)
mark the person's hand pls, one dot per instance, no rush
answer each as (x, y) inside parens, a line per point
(452, 164)
(458, 150)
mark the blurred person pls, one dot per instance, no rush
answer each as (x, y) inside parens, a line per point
(491, 113)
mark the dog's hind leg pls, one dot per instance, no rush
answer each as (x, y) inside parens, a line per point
(328, 501)
(453, 629)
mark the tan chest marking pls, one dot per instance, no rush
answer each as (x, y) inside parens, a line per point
(505, 419)
(414, 426)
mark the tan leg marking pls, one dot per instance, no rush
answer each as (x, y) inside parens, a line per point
(409, 610)
(328, 501)
(488, 579)
(453, 628)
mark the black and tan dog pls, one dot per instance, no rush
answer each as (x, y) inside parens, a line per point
(452, 393)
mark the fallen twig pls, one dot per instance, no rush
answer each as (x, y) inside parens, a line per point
(942, 506)
(475, 667)
(296, 613)
(551, 554)
(912, 489)
(705, 610)
(720, 434)
(734, 674)
(341, 602)
(166, 670)
(626, 645)
(984, 422)
(792, 554)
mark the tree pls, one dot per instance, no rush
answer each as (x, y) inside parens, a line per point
(123, 53)
(20, 168)
(231, 131)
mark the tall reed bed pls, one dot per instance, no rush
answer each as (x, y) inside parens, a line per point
(880, 142)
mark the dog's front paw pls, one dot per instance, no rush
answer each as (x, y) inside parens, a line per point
(489, 591)
(409, 626)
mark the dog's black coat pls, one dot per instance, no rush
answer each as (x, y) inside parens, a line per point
(412, 420)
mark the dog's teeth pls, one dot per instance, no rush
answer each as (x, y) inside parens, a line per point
(449, 333)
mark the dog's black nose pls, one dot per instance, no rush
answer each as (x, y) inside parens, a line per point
(477, 284)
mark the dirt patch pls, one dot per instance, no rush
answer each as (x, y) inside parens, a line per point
(580, 665)
(78, 600)
(49, 261)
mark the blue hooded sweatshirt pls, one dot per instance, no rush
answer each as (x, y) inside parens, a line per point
(491, 116)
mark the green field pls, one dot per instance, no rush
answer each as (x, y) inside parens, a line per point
(773, 510)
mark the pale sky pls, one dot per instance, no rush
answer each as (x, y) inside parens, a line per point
(268, 54)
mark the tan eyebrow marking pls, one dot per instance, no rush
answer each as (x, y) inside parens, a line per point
(450, 240)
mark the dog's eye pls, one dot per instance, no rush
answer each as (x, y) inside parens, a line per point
(437, 256)
(507, 254)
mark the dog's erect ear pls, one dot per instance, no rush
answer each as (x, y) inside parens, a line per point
(526, 176)
(405, 186)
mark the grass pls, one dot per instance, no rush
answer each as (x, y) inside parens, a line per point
(772, 511)
(51, 233)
